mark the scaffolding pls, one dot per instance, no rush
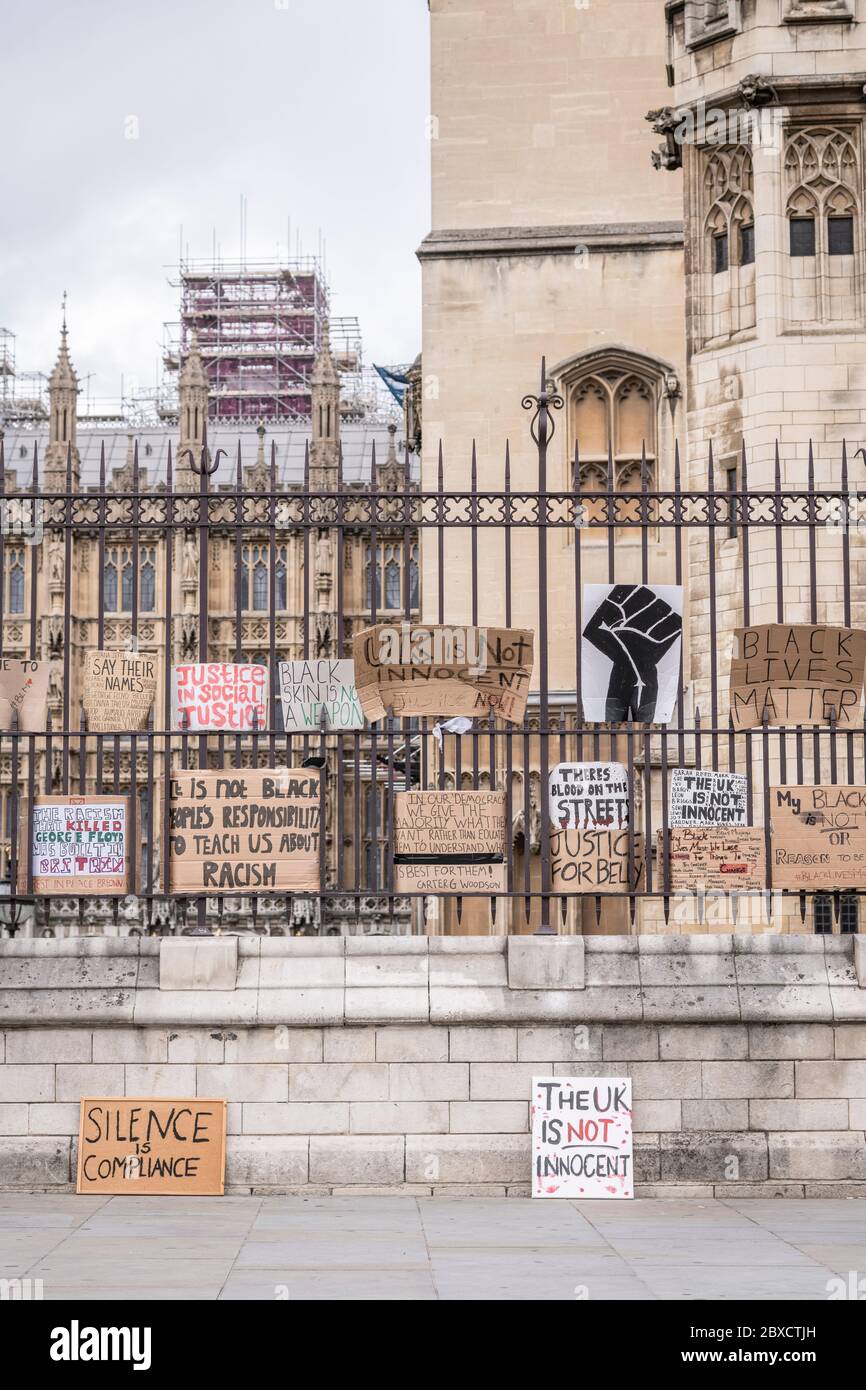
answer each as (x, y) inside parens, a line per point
(23, 395)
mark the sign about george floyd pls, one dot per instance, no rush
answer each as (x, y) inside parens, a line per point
(119, 690)
(630, 652)
(309, 688)
(582, 1137)
(78, 846)
(219, 697)
(587, 796)
(253, 829)
(708, 798)
(133, 1147)
(594, 861)
(24, 691)
(449, 842)
(818, 837)
(706, 857)
(799, 674)
(417, 670)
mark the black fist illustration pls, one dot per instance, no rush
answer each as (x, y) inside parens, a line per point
(634, 627)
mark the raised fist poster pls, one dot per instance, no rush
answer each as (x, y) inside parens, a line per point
(24, 691)
(818, 837)
(449, 842)
(630, 652)
(797, 674)
(586, 796)
(219, 697)
(708, 798)
(307, 689)
(78, 846)
(582, 1136)
(119, 689)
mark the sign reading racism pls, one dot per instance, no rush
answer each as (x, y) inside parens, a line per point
(582, 1137)
(309, 688)
(707, 857)
(132, 1147)
(595, 861)
(219, 697)
(24, 690)
(818, 837)
(799, 674)
(586, 796)
(78, 846)
(449, 842)
(630, 652)
(708, 798)
(248, 829)
(412, 669)
(119, 689)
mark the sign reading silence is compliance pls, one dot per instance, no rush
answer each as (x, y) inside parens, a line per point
(130, 1146)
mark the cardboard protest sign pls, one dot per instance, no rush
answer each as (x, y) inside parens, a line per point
(798, 673)
(137, 1147)
(24, 688)
(119, 689)
(219, 697)
(307, 688)
(582, 1137)
(586, 796)
(79, 846)
(708, 798)
(818, 837)
(630, 652)
(449, 842)
(414, 669)
(244, 830)
(594, 861)
(710, 857)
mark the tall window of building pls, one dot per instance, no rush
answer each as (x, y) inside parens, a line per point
(389, 577)
(614, 418)
(823, 177)
(117, 580)
(728, 256)
(255, 574)
(15, 560)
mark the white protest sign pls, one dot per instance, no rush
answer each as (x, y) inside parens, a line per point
(630, 652)
(306, 688)
(708, 798)
(78, 845)
(582, 1137)
(588, 796)
(214, 697)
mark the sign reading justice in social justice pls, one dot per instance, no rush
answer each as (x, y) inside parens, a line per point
(24, 691)
(219, 697)
(582, 1137)
(309, 688)
(132, 1147)
(449, 842)
(798, 674)
(78, 846)
(708, 798)
(413, 669)
(818, 837)
(242, 830)
(119, 689)
(588, 795)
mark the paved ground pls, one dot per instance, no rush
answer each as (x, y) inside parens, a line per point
(426, 1248)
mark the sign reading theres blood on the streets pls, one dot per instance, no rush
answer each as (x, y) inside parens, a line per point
(582, 1137)
(219, 697)
(818, 837)
(449, 842)
(133, 1147)
(797, 674)
(78, 846)
(708, 798)
(587, 796)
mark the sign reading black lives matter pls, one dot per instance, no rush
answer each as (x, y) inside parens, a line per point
(630, 652)
(582, 1137)
(708, 798)
(587, 796)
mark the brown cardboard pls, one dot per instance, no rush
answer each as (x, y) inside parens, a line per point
(137, 1147)
(439, 827)
(245, 830)
(595, 861)
(799, 673)
(119, 690)
(418, 669)
(818, 837)
(24, 687)
(95, 828)
(731, 859)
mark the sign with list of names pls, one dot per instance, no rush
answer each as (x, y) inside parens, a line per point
(586, 796)
(139, 1147)
(582, 1137)
(708, 798)
(119, 689)
(712, 858)
(78, 846)
(307, 689)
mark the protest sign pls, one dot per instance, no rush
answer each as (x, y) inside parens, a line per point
(587, 796)
(582, 1137)
(414, 669)
(119, 689)
(594, 861)
(630, 652)
(704, 857)
(307, 688)
(799, 673)
(78, 846)
(219, 697)
(136, 1147)
(818, 837)
(24, 689)
(449, 842)
(251, 829)
(708, 798)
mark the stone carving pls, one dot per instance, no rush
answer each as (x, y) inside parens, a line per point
(664, 121)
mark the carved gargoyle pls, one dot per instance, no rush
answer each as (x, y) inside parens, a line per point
(664, 121)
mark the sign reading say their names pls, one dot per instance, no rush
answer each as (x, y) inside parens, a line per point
(246, 829)
(119, 689)
(708, 798)
(219, 697)
(582, 1137)
(130, 1147)
(309, 688)
(713, 858)
(818, 837)
(797, 674)
(449, 842)
(24, 691)
(595, 861)
(78, 846)
(588, 795)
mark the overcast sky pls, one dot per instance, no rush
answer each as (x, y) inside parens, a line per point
(313, 109)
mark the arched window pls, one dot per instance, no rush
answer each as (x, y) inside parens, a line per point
(280, 580)
(414, 579)
(16, 582)
(613, 410)
(126, 583)
(148, 582)
(392, 582)
(824, 231)
(109, 582)
(728, 256)
(260, 586)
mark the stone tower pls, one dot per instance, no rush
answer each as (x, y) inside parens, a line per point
(192, 411)
(324, 476)
(63, 419)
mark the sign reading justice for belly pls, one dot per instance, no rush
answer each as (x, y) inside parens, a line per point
(134, 1147)
(582, 1137)
(78, 846)
(798, 674)
(219, 697)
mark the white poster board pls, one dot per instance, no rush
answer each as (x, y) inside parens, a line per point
(708, 798)
(630, 652)
(306, 688)
(219, 697)
(582, 1137)
(588, 796)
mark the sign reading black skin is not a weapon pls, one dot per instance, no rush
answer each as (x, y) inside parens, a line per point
(138, 1147)
(630, 652)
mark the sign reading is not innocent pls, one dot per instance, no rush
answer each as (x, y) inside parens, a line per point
(582, 1137)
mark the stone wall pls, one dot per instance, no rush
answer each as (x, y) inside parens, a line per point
(405, 1064)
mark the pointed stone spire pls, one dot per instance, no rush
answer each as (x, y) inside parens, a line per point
(192, 407)
(325, 437)
(63, 417)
